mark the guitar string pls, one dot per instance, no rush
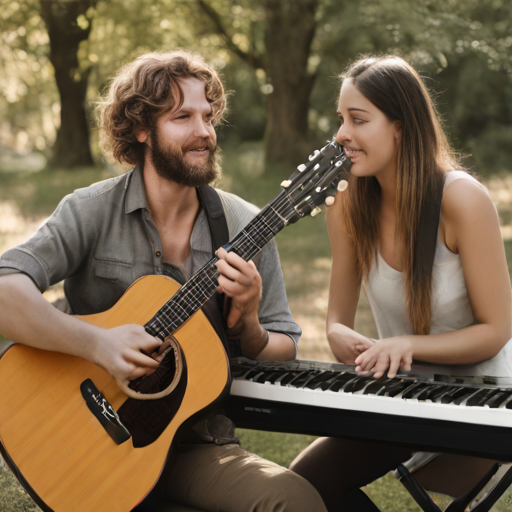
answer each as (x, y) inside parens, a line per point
(167, 320)
(170, 325)
(193, 295)
(192, 299)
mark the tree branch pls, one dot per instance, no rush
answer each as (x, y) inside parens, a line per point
(253, 59)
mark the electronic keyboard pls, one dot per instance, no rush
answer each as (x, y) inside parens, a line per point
(422, 409)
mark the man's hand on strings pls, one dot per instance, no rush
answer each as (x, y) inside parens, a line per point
(241, 281)
(127, 351)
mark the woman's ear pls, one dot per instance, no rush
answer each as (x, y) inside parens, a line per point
(398, 130)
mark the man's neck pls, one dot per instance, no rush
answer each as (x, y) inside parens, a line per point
(168, 201)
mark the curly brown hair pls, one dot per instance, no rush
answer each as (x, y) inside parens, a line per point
(144, 90)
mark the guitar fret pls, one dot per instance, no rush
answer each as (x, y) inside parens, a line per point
(247, 244)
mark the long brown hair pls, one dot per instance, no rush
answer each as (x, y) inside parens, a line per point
(424, 155)
(145, 89)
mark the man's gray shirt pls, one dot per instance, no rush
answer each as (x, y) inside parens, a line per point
(102, 238)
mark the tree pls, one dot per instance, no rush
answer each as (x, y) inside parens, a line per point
(289, 29)
(69, 23)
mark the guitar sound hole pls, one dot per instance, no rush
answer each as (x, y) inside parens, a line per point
(147, 419)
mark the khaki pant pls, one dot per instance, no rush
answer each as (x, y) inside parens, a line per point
(229, 479)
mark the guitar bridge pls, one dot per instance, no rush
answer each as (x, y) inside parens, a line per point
(104, 412)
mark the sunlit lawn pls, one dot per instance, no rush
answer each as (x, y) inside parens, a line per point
(26, 199)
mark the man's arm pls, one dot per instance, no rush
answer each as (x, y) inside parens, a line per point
(27, 318)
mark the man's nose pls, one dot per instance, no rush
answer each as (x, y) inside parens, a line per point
(201, 128)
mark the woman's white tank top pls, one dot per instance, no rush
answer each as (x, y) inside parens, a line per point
(451, 309)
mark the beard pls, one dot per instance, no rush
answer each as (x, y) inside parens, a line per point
(170, 164)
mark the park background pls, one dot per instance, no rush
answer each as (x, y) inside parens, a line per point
(280, 60)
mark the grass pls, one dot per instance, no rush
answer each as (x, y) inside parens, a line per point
(27, 198)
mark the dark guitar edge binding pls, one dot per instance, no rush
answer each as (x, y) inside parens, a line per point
(21, 479)
(15, 470)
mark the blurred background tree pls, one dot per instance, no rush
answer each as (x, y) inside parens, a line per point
(280, 57)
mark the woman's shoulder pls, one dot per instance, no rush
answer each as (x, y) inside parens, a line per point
(460, 177)
(465, 200)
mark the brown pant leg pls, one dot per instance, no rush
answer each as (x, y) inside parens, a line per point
(229, 479)
(336, 467)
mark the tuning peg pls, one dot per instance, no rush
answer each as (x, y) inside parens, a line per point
(313, 156)
(329, 200)
(342, 185)
(301, 167)
(315, 211)
(286, 183)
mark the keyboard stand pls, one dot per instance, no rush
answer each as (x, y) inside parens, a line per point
(478, 499)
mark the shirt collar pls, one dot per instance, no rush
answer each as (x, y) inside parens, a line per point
(135, 192)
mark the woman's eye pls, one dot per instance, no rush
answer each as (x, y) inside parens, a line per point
(359, 121)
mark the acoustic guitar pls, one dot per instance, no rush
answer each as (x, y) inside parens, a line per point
(78, 440)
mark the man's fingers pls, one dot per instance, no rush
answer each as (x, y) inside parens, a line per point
(140, 359)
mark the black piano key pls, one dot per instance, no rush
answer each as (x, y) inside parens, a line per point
(339, 384)
(425, 393)
(413, 390)
(338, 381)
(461, 398)
(237, 370)
(453, 394)
(289, 377)
(302, 379)
(320, 379)
(272, 378)
(480, 398)
(498, 399)
(396, 388)
(436, 395)
(253, 373)
(375, 386)
(263, 376)
(357, 384)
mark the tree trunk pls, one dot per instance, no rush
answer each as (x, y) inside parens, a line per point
(290, 30)
(71, 147)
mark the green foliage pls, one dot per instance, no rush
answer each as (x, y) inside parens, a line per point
(462, 48)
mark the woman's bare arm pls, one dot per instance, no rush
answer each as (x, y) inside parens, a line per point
(344, 287)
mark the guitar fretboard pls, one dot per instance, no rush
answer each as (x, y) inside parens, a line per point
(203, 284)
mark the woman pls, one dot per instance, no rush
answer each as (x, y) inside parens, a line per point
(423, 237)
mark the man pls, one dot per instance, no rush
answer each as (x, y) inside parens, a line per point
(159, 115)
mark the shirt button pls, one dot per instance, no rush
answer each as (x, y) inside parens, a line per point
(158, 254)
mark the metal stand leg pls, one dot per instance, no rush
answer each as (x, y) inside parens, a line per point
(461, 503)
(415, 490)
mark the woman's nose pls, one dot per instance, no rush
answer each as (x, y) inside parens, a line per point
(343, 135)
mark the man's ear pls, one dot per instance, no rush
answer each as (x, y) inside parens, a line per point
(141, 134)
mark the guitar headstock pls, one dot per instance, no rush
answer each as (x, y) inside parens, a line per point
(317, 179)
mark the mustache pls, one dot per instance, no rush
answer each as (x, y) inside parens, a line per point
(204, 144)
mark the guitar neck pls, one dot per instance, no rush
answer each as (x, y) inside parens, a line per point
(203, 284)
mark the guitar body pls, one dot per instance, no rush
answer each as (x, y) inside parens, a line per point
(58, 448)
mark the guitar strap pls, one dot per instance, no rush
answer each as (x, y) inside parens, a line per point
(219, 233)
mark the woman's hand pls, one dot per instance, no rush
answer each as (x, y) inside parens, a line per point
(347, 344)
(390, 354)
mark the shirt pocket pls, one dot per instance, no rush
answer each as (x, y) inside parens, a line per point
(112, 270)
